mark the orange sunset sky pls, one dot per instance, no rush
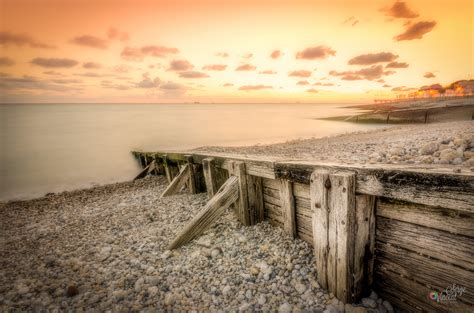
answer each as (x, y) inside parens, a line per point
(230, 51)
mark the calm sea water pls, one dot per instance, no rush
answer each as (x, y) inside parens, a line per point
(55, 147)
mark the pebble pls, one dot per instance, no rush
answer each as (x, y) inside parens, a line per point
(369, 303)
(285, 308)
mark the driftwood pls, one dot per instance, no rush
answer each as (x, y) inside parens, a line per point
(225, 196)
(148, 169)
(178, 182)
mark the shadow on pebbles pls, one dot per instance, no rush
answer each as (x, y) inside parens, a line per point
(105, 249)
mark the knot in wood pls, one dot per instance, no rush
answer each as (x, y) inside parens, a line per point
(327, 183)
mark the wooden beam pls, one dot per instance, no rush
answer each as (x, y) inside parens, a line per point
(255, 197)
(208, 166)
(225, 196)
(148, 169)
(242, 206)
(192, 188)
(167, 169)
(288, 207)
(417, 185)
(178, 182)
(333, 200)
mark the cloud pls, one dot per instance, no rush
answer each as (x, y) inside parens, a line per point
(247, 56)
(91, 65)
(148, 82)
(54, 62)
(275, 54)
(429, 75)
(90, 41)
(139, 53)
(111, 85)
(312, 90)
(193, 74)
(7, 38)
(352, 20)
(246, 67)
(386, 86)
(52, 73)
(228, 84)
(397, 65)
(400, 10)
(300, 73)
(416, 31)
(214, 67)
(33, 83)
(91, 75)
(402, 88)
(222, 54)
(267, 72)
(67, 81)
(303, 83)
(114, 33)
(319, 52)
(373, 58)
(171, 86)
(370, 73)
(323, 84)
(5, 61)
(180, 65)
(254, 87)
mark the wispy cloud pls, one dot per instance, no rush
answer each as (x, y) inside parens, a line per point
(416, 31)
(318, 52)
(373, 58)
(139, 53)
(275, 54)
(148, 82)
(180, 65)
(397, 65)
(429, 75)
(114, 33)
(312, 90)
(90, 41)
(254, 87)
(214, 67)
(370, 73)
(222, 54)
(303, 83)
(192, 74)
(91, 65)
(300, 73)
(400, 10)
(246, 67)
(267, 72)
(5, 61)
(8, 38)
(54, 62)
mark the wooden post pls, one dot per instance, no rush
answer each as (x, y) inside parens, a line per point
(167, 168)
(242, 208)
(288, 207)
(225, 196)
(333, 204)
(208, 166)
(192, 175)
(178, 182)
(255, 195)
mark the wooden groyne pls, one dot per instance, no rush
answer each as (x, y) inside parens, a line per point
(405, 232)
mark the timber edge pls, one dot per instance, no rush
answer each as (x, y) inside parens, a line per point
(428, 186)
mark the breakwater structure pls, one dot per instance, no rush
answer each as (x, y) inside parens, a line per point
(406, 232)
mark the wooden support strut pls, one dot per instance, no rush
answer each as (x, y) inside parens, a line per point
(148, 169)
(208, 166)
(242, 208)
(178, 182)
(192, 188)
(288, 207)
(225, 196)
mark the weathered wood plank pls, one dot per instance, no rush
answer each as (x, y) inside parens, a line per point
(453, 221)
(430, 272)
(301, 190)
(208, 166)
(271, 183)
(178, 182)
(444, 246)
(242, 207)
(450, 190)
(288, 207)
(274, 193)
(192, 187)
(225, 196)
(303, 224)
(341, 233)
(255, 196)
(271, 200)
(364, 240)
(319, 194)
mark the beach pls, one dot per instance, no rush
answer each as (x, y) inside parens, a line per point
(104, 248)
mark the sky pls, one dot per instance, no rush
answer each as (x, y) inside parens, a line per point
(230, 51)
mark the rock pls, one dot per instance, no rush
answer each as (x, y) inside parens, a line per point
(248, 294)
(369, 303)
(226, 290)
(204, 241)
(244, 307)
(468, 154)
(429, 148)
(22, 288)
(388, 306)
(448, 155)
(354, 309)
(457, 161)
(427, 159)
(254, 270)
(373, 295)
(104, 253)
(469, 162)
(119, 295)
(459, 142)
(72, 291)
(49, 260)
(300, 288)
(285, 308)
(331, 309)
(398, 151)
(169, 299)
(262, 299)
(215, 252)
(165, 255)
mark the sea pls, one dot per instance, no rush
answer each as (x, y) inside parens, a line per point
(50, 148)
